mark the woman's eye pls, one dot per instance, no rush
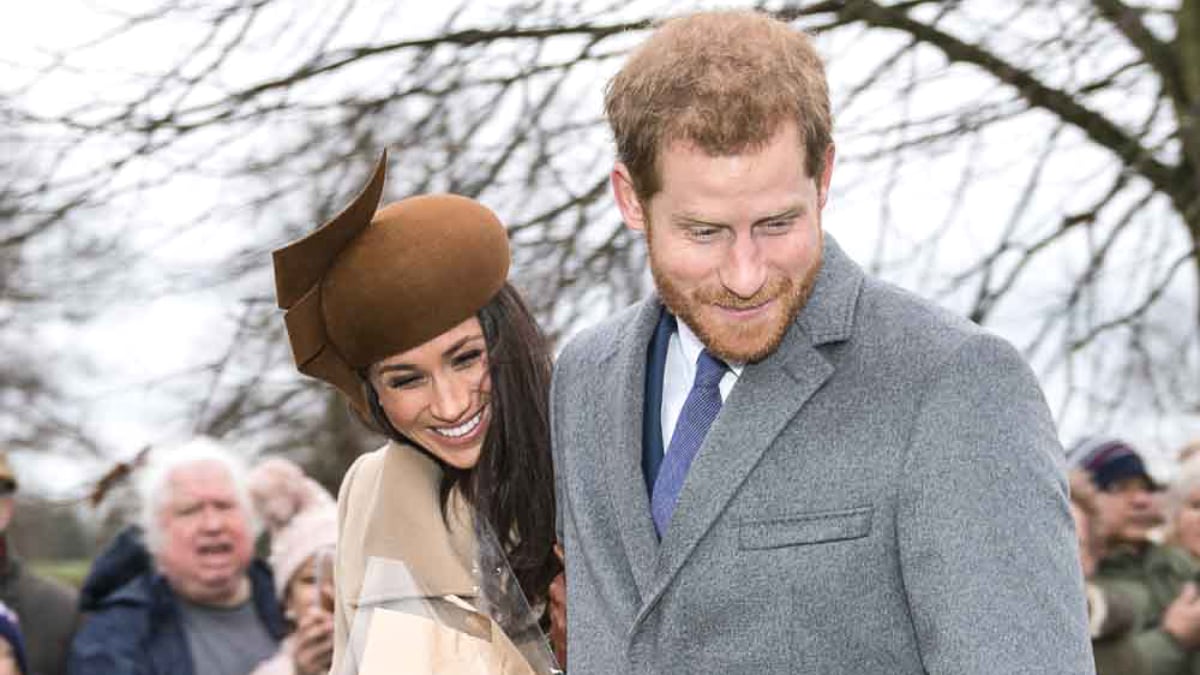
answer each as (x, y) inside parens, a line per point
(402, 382)
(468, 357)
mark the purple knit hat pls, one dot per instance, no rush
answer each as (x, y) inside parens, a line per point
(1109, 461)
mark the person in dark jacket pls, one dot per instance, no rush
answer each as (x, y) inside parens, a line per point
(12, 644)
(45, 608)
(1158, 581)
(124, 560)
(185, 597)
(1111, 614)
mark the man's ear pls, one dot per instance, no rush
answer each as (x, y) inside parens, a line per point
(826, 175)
(627, 198)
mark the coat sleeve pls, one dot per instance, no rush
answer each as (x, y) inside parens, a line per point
(1161, 653)
(557, 442)
(105, 644)
(986, 542)
(52, 607)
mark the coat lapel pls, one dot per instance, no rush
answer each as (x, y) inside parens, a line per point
(623, 459)
(424, 551)
(767, 396)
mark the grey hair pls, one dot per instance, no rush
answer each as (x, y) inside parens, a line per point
(1185, 482)
(165, 461)
(1176, 496)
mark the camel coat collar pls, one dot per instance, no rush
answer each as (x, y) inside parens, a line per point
(389, 507)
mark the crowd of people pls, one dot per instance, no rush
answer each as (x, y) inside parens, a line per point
(182, 591)
(1139, 546)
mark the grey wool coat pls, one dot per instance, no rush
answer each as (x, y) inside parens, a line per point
(882, 494)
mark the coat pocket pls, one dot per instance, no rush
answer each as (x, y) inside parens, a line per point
(805, 528)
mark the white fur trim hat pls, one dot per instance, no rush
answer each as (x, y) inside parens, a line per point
(300, 516)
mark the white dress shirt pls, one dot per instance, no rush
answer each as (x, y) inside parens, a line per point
(679, 374)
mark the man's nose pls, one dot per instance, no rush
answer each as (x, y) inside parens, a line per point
(211, 519)
(744, 271)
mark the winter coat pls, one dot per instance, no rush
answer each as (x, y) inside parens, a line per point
(389, 507)
(881, 495)
(47, 612)
(135, 628)
(1151, 579)
(1111, 620)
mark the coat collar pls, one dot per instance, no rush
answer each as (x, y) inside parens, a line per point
(421, 552)
(625, 387)
(828, 316)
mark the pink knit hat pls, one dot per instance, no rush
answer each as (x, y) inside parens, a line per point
(298, 512)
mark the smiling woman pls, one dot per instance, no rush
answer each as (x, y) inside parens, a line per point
(437, 394)
(407, 311)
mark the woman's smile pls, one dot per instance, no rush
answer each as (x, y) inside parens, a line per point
(465, 432)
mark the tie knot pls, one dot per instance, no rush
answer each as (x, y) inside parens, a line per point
(709, 370)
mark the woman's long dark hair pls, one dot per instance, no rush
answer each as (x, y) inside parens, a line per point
(511, 488)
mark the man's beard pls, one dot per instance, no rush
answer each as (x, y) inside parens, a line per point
(731, 340)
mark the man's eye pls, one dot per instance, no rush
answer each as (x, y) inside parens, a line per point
(776, 226)
(702, 233)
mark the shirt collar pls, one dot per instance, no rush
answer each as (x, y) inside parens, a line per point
(691, 346)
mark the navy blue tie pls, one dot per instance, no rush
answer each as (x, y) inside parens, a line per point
(699, 410)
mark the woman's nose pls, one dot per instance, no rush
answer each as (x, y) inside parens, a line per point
(451, 397)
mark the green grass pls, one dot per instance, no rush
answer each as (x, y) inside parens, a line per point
(70, 572)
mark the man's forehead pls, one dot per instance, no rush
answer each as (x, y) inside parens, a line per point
(200, 478)
(683, 141)
(1130, 483)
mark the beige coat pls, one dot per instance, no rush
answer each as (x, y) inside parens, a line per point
(389, 507)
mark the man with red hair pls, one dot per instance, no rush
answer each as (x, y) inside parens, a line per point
(778, 464)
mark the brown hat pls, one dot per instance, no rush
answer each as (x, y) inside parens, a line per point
(369, 284)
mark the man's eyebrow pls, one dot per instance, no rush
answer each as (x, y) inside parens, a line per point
(686, 219)
(789, 213)
(786, 214)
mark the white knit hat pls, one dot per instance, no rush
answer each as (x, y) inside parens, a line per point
(310, 532)
(300, 516)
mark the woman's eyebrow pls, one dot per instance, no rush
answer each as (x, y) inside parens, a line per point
(396, 366)
(458, 345)
(391, 367)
